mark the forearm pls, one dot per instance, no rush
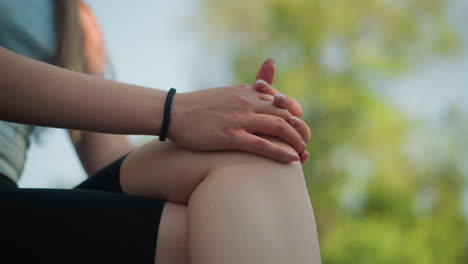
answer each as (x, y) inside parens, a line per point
(40, 94)
(97, 150)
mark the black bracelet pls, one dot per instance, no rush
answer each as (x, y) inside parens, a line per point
(167, 115)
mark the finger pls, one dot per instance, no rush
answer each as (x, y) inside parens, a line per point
(301, 127)
(276, 126)
(280, 100)
(266, 97)
(269, 109)
(260, 146)
(262, 86)
(267, 71)
(304, 156)
(284, 101)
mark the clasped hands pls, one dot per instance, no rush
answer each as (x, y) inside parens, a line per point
(234, 117)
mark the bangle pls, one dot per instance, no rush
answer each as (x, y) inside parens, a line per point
(167, 115)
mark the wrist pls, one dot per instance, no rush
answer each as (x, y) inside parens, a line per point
(151, 117)
(179, 103)
(166, 121)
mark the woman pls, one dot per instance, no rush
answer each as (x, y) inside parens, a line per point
(171, 202)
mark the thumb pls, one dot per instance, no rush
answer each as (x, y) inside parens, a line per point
(267, 71)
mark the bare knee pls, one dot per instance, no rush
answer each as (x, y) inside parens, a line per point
(256, 198)
(239, 173)
(166, 171)
(245, 163)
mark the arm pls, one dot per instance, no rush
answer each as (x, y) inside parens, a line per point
(222, 118)
(36, 93)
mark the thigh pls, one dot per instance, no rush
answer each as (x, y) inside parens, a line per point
(172, 245)
(163, 170)
(84, 225)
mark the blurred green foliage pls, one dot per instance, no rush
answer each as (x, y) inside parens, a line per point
(373, 202)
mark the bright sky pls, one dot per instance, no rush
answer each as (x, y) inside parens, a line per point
(151, 43)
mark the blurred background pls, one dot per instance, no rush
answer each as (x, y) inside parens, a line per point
(383, 84)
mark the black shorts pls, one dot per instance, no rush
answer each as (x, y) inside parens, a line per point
(92, 223)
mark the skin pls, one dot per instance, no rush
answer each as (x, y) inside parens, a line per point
(252, 210)
(225, 122)
(213, 199)
(96, 150)
(223, 118)
(211, 189)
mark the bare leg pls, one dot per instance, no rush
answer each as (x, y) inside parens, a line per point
(156, 167)
(241, 208)
(252, 210)
(172, 244)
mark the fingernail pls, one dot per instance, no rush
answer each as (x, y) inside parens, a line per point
(293, 157)
(260, 85)
(296, 122)
(303, 146)
(280, 99)
(307, 155)
(271, 61)
(303, 157)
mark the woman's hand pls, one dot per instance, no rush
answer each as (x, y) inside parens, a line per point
(263, 84)
(227, 118)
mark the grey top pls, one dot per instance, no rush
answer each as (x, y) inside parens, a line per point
(27, 28)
